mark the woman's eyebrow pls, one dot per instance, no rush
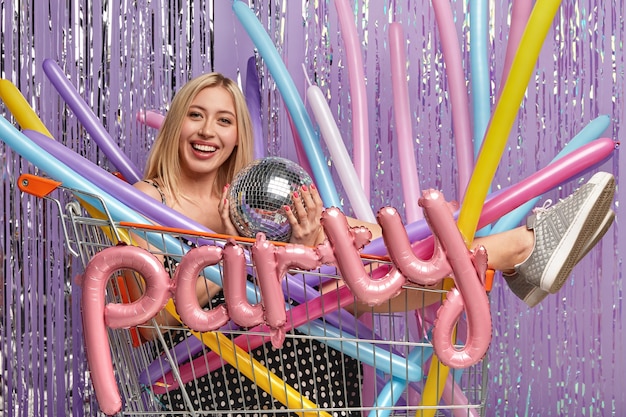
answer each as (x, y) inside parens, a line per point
(202, 108)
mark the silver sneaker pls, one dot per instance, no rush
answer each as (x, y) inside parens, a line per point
(563, 230)
(533, 295)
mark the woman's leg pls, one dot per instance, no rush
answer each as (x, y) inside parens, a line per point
(560, 236)
(507, 249)
(537, 258)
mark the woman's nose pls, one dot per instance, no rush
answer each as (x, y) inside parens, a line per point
(206, 129)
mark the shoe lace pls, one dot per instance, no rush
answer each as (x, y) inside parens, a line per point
(545, 207)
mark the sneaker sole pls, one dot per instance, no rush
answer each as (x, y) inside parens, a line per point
(537, 295)
(579, 233)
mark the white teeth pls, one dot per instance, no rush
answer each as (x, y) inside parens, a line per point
(204, 148)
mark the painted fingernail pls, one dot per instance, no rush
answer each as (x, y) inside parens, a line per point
(287, 208)
(313, 187)
(304, 188)
(295, 194)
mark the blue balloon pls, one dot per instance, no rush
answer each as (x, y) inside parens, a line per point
(481, 83)
(390, 394)
(297, 110)
(366, 352)
(28, 149)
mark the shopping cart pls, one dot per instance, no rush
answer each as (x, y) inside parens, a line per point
(337, 357)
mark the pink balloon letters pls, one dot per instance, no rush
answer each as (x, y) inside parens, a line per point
(97, 315)
(342, 248)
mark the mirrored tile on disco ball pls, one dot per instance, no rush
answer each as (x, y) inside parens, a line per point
(259, 193)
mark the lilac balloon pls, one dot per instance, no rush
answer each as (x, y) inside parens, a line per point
(182, 352)
(117, 188)
(149, 207)
(301, 292)
(89, 120)
(253, 100)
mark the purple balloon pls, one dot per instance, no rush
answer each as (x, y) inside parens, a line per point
(117, 188)
(182, 352)
(89, 120)
(253, 100)
(162, 214)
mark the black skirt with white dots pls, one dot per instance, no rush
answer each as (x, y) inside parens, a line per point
(325, 376)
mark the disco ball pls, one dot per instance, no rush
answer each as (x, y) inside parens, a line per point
(259, 193)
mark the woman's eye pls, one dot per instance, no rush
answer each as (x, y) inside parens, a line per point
(226, 121)
(195, 115)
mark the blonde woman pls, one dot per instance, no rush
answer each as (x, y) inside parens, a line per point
(206, 138)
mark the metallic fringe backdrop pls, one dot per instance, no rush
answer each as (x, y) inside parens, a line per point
(565, 357)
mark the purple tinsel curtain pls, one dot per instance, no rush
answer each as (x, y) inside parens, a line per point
(565, 357)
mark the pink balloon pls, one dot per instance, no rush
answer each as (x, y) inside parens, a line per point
(429, 272)
(97, 316)
(469, 274)
(150, 118)
(272, 264)
(239, 309)
(402, 115)
(454, 395)
(556, 173)
(461, 123)
(358, 95)
(264, 254)
(468, 270)
(520, 12)
(185, 297)
(344, 241)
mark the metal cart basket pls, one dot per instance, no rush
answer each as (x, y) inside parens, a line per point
(337, 357)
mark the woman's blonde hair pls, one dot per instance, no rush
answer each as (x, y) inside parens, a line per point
(163, 165)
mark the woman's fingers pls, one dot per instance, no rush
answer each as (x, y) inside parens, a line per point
(300, 206)
(305, 216)
(224, 210)
(314, 200)
(223, 206)
(307, 205)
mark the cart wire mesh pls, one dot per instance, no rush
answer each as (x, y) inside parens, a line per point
(338, 356)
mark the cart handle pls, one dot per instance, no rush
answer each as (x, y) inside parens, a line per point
(37, 186)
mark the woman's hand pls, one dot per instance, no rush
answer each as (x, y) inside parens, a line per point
(224, 210)
(305, 223)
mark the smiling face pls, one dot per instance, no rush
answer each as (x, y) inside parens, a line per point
(208, 132)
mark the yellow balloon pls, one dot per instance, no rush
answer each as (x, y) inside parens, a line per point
(21, 110)
(504, 115)
(123, 234)
(496, 137)
(28, 119)
(254, 370)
